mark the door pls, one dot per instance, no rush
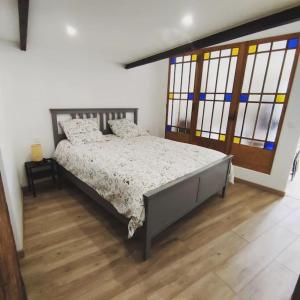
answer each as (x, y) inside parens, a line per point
(182, 71)
(267, 80)
(216, 96)
(11, 284)
(233, 98)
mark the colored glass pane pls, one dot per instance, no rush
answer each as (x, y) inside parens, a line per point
(269, 146)
(235, 51)
(244, 97)
(190, 96)
(194, 57)
(236, 140)
(280, 98)
(228, 97)
(206, 55)
(222, 137)
(202, 96)
(292, 43)
(252, 49)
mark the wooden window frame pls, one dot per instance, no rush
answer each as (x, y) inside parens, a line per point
(180, 136)
(264, 162)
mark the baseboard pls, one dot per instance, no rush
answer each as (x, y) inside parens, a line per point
(20, 254)
(262, 187)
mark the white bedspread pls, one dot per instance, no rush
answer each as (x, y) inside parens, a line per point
(122, 170)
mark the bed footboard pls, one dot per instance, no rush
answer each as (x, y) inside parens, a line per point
(172, 201)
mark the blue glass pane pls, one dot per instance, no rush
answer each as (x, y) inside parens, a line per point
(173, 60)
(228, 97)
(244, 97)
(292, 43)
(168, 128)
(269, 145)
(202, 96)
(190, 96)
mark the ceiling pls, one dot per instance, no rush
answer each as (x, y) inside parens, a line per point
(124, 31)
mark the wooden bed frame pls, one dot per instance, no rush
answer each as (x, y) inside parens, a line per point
(168, 203)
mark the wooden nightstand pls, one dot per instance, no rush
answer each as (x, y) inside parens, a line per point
(38, 170)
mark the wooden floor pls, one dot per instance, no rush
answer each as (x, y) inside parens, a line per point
(246, 246)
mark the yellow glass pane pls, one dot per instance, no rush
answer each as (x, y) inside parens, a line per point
(236, 140)
(171, 96)
(194, 57)
(198, 133)
(222, 137)
(252, 49)
(280, 98)
(235, 51)
(206, 55)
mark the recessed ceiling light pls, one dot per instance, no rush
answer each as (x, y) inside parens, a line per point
(71, 31)
(187, 20)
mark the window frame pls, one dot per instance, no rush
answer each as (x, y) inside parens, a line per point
(263, 158)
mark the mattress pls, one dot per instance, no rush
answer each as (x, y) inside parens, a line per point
(122, 170)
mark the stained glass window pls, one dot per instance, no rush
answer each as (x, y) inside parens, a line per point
(215, 97)
(181, 93)
(236, 96)
(265, 84)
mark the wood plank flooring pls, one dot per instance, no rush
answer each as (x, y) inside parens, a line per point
(246, 246)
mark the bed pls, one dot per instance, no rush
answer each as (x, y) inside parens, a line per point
(147, 182)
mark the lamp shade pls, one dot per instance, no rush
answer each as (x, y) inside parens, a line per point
(36, 152)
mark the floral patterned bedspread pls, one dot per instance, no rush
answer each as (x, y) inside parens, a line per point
(122, 170)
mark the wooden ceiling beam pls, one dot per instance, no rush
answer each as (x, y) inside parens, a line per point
(23, 6)
(278, 19)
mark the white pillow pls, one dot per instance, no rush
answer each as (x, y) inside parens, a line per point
(82, 131)
(125, 128)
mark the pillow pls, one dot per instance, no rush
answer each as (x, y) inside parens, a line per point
(125, 128)
(82, 131)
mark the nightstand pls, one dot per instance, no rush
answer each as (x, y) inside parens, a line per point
(38, 170)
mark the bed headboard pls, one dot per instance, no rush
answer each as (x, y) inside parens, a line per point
(102, 114)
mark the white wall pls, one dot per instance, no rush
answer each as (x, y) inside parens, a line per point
(10, 179)
(44, 78)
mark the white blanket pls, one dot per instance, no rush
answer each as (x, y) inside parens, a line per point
(122, 170)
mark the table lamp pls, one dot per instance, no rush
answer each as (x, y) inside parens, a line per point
(36, 152)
